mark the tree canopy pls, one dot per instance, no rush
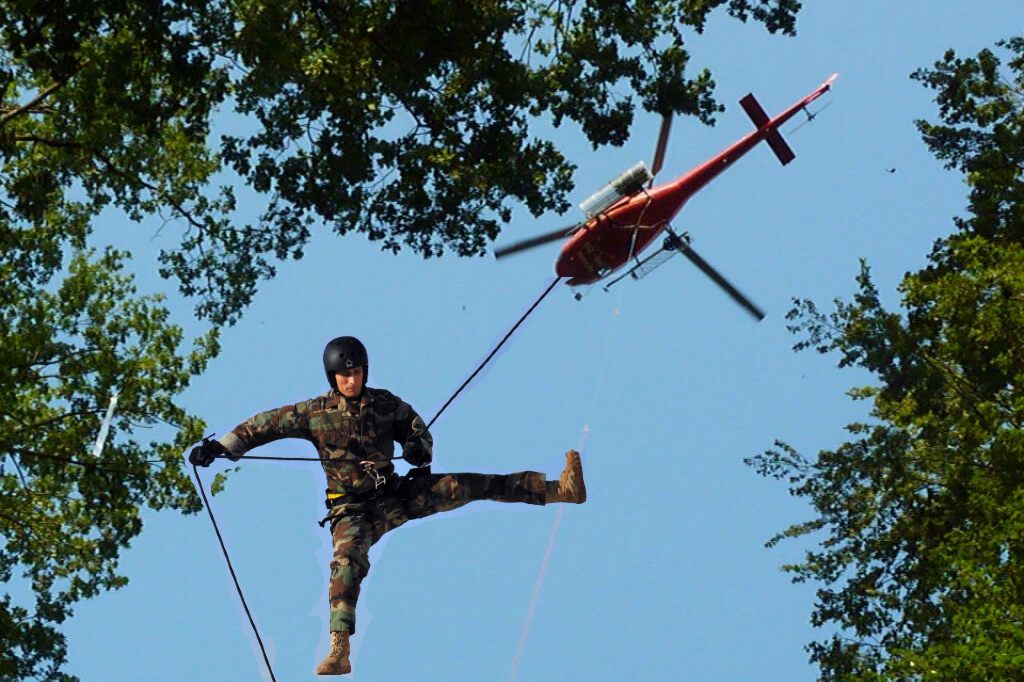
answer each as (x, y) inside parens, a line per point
(921, 565)
(69, 339)
(412, 123)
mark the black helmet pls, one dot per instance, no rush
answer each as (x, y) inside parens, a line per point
(344, 352)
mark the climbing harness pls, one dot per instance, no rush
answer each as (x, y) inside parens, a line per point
(335, 498)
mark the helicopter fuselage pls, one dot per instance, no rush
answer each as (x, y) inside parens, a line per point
(618, 234)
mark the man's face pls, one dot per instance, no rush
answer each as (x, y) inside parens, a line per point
(350, 381)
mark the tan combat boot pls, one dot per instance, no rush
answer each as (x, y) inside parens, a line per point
(570, 486)
(336, 661)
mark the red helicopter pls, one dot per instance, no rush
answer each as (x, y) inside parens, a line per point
(625, 216)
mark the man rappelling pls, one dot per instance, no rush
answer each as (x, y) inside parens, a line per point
(355, 428)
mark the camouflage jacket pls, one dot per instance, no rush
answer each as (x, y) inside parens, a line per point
(345, 433)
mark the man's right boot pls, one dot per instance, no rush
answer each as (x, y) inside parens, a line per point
(336, 661)
(569, 487)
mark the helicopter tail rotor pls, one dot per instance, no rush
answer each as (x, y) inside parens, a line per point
(772, 136)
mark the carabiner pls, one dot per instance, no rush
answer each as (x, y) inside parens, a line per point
(370, 469)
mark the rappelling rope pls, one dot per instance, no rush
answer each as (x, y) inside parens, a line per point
(231, 569)
(216, 528)
(450, 400)
(459, 390)
(501, 343)
(508, 335)
(220, 539)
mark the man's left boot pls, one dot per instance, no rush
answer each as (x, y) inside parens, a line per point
(569, 487)
(336, 661)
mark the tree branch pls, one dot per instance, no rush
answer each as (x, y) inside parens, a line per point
(21, 474)
(182, 211)
(34, 103)
(86, 465)
(57, 358)
(61, 144)
(112, 167)
(14, 521)
(34, 110)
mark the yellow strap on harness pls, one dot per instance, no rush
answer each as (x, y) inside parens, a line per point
(334, 496)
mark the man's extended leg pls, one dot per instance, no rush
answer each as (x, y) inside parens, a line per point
(443, 492)
(353, 537)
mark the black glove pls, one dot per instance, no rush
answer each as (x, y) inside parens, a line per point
(416, 453)
(203, 454)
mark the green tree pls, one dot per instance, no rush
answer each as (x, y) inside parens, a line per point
(69, 337)
(407, 121)
(920, 515)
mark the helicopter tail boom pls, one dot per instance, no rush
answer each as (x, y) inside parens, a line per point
(772, 136)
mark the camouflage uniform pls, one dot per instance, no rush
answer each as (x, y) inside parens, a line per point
(348, 432)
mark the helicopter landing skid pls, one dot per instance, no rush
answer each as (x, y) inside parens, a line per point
(642, 267)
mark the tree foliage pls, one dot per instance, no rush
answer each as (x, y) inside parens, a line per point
(921, 564)
(410, 122)
(73, 328)
(70, 336)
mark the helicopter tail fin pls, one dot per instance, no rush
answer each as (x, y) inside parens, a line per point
(771, 136)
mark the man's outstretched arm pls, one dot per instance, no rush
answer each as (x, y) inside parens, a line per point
(290, 421)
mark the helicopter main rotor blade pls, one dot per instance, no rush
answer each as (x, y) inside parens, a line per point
(545, 238)
(659, 150)
(721, 281)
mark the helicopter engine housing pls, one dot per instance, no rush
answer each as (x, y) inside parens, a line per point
(629, 182)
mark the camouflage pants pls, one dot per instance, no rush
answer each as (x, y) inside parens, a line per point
(358, 529)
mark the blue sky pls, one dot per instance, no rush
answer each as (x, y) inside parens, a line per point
(662, 573)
